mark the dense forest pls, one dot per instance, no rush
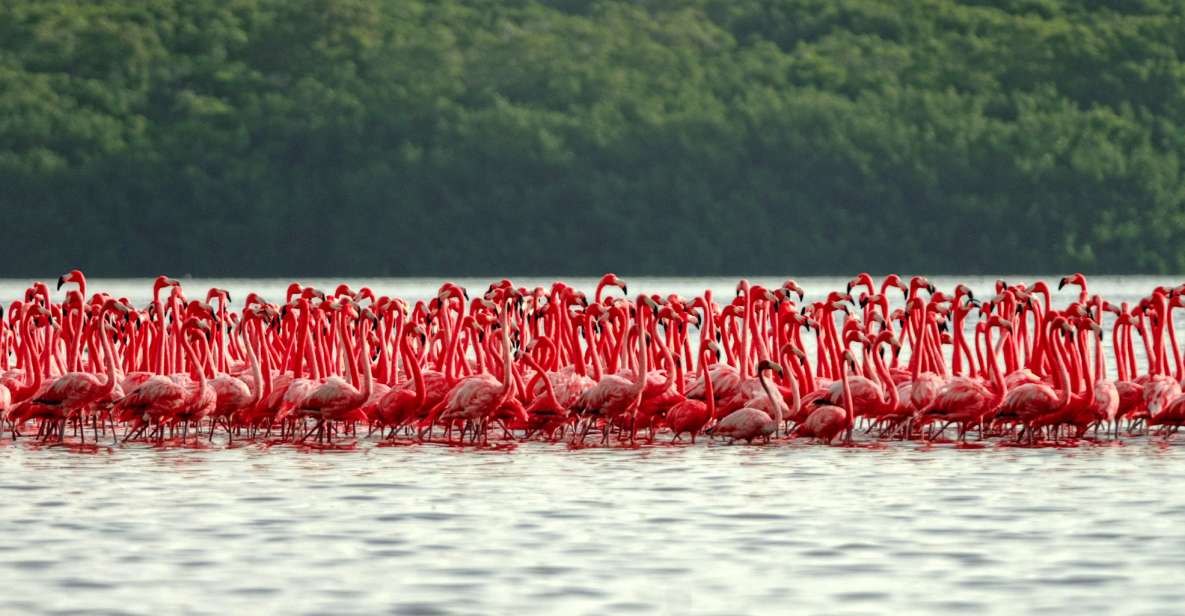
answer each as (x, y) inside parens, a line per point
(351, 137)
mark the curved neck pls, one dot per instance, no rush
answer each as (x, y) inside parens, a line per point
(668, 359)
(1088, 376)
(848, 403)
(748, 322)
(507, 371)
(196, 395)
(541, 375)
(253, 358)
(1060, 366)
(774, 403)
(993, 366)
(640, 373)
(891, 398)
(109, 351)
(413, 365)
(705, 360)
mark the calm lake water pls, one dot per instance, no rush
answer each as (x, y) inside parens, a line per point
(786, 528)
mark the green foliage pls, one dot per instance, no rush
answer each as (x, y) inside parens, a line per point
(331, 137)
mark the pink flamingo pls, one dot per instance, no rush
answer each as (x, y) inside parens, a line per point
(400, 406)
(749, 423)
(1030, 402)
(966, 401)
(615, 395)
(161, 398)
(74, 391)
(232, 394)
(826, 421)
(691, 416)
(477, 398)
(336, 398)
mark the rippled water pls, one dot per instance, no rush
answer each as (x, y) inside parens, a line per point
(787, 528)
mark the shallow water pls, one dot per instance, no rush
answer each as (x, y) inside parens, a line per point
(543, 529)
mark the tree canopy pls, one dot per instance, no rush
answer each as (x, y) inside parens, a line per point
(323, 137)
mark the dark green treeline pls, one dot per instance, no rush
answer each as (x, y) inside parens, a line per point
(274, 137)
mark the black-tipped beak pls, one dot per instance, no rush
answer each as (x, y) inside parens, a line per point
(1061, 283)
(61, 281)
(931, 288)
(625, 288)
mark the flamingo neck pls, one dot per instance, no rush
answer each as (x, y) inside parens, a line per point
(709, 390)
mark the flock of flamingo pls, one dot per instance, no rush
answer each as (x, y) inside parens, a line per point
(513, 364)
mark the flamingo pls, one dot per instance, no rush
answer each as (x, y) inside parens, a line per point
(477, 398)
(749, 423)
(233, 395)
(400, 405)
(1030, 402)
(161, 398)
(691, 416)
(615, 395)
(161, 368)
(965, 401)
(74, 391)
(826, 421)
(336, 398)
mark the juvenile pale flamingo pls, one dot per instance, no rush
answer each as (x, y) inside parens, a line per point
(749, 423)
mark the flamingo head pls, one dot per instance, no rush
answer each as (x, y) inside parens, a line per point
(793, 349)
(791, 286)
(863, 278)
(71, 276)
(1087, 323)
(766, 364)
(162, 282)
(920, 282)
(194, 324)
(894, 280)
(199, 309)
(113, 305)
(1077, 279)
(710, 345)
(611, 280)
(221, 294)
